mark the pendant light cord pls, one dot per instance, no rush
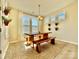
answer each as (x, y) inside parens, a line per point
(39, 9)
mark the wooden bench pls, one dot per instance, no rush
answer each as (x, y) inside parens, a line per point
(52, 40)
(38, 42)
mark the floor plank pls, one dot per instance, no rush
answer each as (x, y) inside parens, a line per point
(60, 50)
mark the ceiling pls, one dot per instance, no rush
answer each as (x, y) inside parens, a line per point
(46, 6)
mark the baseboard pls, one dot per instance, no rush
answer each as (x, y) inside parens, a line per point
(16, 41)
(4, 53)
(68, 41)
(56, 39)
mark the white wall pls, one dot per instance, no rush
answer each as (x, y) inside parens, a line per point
(4, 41)
(13, 26)
(68, 29)
(4, 34)
(0, 27)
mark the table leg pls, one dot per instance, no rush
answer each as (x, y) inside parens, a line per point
(53, 41)
(33, 45)
(38, 49)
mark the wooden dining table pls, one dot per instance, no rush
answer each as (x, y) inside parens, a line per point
(41, 38)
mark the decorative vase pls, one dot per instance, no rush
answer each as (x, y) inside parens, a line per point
(49, 24)
(6, 11)
(49, 29)
(6, 22)
(56, 29)
(56, 23)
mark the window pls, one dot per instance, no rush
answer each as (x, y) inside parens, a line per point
(47, 20)
(34, 25)
(25, 24)
(61, 16)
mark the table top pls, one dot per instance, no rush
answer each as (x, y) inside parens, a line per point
(36, 33)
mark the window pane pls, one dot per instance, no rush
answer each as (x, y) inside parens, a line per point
(46, 20)
(25, 24)
(25, 20)
(34, 29)
(34, 21)
(34, 25)
(25, 29)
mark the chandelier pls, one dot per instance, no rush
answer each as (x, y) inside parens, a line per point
(40, 17)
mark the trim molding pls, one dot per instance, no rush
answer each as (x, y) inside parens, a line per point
(68, 41)
(16, 41)
(56, 39)
(52, 12)
(4, 52)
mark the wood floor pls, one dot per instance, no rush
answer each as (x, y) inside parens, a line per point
(60, 50)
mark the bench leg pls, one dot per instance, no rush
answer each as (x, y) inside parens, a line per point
(33, 46)
(38, 49)
(53, 41)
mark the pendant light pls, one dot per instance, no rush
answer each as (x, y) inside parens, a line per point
(40, 17)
